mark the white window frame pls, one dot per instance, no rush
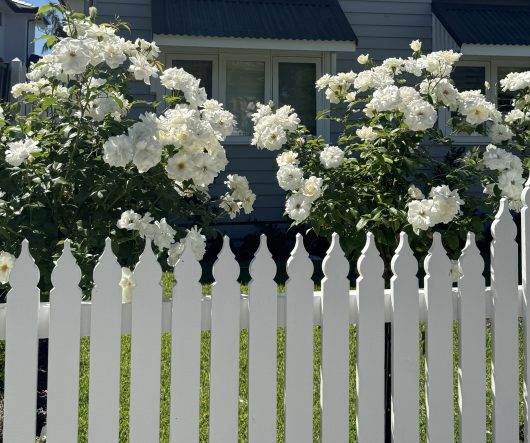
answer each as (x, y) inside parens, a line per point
(319, 96)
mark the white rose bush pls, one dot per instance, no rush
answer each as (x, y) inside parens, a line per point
(76, 166)
(382, 176)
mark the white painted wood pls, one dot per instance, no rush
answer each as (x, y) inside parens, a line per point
(405, 358)
(105, 347)
(186, 348)
(370, 345)
(299, 347)
(20, 392)
(439, 344)
(224, 353)
(262, 341)
(525, 270)
(144, 415)
(472, 350)
(63, 349)
(505, 386)
(335, 344)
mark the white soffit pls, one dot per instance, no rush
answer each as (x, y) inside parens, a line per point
(253, 43)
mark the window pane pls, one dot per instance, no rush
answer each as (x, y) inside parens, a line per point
(469, 78)
(245, 86)
(297, 88)
(504, 98)
(201, 69)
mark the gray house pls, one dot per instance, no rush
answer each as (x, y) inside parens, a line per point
(251, 50)
(17, 32)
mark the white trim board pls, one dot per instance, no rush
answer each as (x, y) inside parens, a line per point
(496, 50)
(253, 43)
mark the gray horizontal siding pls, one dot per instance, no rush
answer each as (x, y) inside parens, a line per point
(137, 13)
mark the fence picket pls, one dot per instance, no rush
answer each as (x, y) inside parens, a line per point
(299, 347)
(335, 343)
(370, 345)
(63, 350)
(224, 354)
(20, 392)
(439, 344)
(472, 350)
(146, 338)
(186, 348)
(504, 266)
(263, 312)
(105, 346)
(405, 356)
(525, 269)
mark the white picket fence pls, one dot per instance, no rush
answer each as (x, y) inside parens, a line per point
(23, 320)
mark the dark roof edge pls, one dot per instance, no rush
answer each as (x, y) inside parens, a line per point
(446, 25)
(17, 8)
(355, 40)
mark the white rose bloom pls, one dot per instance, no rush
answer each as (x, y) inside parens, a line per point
(174, 252)
(500, 133)
(72, 55)
(7, 261)
(312, 188)
(415, 45)
(407, 94)
(511, 184)
(496, 159)
(127, 284)
(420, 115)
(118, 150)
(129, 220)
(230, 205)
(446, 93)
(454, 272)
(20, 151)
(331, 157)
(2, 116)
(515, 204)
(247, 201)
(419, 215)
(198, 242)
(289, 177)
(386, 99)
(415, 193)
(147, 154)
(164, 234)
(515, 116)
(413, 66)
(446, 204)
(489, 189)
(298, 207)
(287, 158)
(180, 167)
(366, 133)
(142, 69)
(363, 59)
(113, 53)
(350, 97)
(516, 81)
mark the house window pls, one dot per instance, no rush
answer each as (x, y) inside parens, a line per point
(201, 69)
(469, 78)
(239, 81)
(296, 87)
(244, 87)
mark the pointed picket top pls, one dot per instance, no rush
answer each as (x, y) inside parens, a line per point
(25, 272)
(503, 223)
(335, 264)
(226, 267)
(437, 261)
(187, 267)
(403, 259)
(147, 265)
(299, 265)
(470, 257)
(262, 267)
(66, 272)
(107, 267)
(370, 261)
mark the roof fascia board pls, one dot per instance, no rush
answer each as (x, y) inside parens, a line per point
(254, 43)
(496, 50)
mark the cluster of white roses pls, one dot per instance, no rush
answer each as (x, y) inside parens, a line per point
(514, 82)
(7, 261)
(21, 150)
(271, 128)
(510, 179)
(163, 235)
(240, 197)
(442, 207)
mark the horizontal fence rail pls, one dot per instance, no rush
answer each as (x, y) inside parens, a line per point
(206, 303)
(105, 319)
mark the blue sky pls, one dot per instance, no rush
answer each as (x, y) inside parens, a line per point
(40, 43)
